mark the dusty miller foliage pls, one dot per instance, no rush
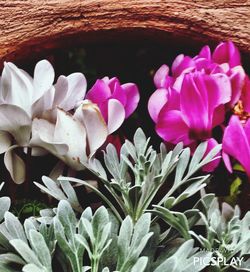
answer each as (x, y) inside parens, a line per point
(136, 230)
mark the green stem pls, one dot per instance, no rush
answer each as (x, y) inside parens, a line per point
(95, 264)
(76, 266)
(104, 198)
(117, 198)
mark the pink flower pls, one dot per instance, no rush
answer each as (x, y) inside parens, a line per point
(115, 101)
(226, 52)
(224, 60)
(191, 114)
(236, 143)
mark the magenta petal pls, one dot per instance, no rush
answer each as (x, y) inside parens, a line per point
(227, 52)
(205, 52)
(202, 64)
(116, 89)
(172, 128)
(178, 82)
(247, 130)
(156, 101)
(111, 82)
(182, 64)
(99, 92)
(107, 80)
(215, 68)
(218, 89)
(193, 103)
(218, 116)
(227, 162)
(118, 93)
(200, 98)
(161, 77)
(235, 143)
(237, 82)
(133, 97)
(246, 95)
(104, 110)
(173, 99)
(210, 167)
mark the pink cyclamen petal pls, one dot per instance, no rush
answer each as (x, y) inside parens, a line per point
(245, 97)
(218, 90)
(210, 167)
(235, 143)
(173, 102)
(205, 52)
(178, 83)
(118, 91)
(218, 116)
(133, 97)
(182, 64)
(161, 77)
(157, 100)
(194, 105)
(227, 162)
(237, 79)
(203, 59)
(227, 52)
(246, 127)
(99, 92)
(172, 128)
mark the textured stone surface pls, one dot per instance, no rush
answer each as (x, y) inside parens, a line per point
(31, 26)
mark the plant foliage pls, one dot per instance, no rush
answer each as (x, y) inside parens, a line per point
(138, 229)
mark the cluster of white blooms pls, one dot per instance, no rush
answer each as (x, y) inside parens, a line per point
(45, 118)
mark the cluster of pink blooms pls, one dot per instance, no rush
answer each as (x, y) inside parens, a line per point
(193, 97)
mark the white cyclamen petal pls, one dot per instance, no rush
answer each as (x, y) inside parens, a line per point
(15, 121)
(5, 141)
(15, 165)
(97, 131)
(73, 133)
(61, 90)
(43, 136)
(44, 75)
(16, 87)
(76, 89)
(43, 104)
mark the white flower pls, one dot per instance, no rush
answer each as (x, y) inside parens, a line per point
(22, 98)
(72, 138)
